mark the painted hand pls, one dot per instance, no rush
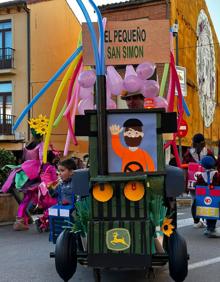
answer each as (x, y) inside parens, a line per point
(115, 129)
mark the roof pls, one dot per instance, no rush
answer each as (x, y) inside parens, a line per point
(126, 3)
(12, 3)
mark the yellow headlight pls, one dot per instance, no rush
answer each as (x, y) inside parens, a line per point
(134, 191)
(102, 192)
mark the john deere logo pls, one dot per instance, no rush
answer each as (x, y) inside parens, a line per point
(118, 239)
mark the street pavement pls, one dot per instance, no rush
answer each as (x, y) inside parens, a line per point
(24, 257)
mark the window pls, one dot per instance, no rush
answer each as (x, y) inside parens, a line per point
(6, 118)
(6, 51)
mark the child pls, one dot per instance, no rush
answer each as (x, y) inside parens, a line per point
(37, 192)
(209, 163)
(64, 191)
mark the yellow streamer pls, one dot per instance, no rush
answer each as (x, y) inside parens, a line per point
(56, 102)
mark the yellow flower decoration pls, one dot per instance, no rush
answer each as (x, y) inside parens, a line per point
(33, 122)
(43, 119)
(167, 227)
(39, 125)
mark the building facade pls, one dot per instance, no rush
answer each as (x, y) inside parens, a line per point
(36, 37)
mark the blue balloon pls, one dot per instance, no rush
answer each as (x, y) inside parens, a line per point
(46, 86)
(92, 34)
(101, 32)
(186, 108)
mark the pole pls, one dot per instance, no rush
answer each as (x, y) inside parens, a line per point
(102, 124)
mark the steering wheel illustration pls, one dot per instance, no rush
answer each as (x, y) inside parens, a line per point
(129, 167)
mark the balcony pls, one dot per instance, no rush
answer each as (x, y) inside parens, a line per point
(6, 124)
(7, 60)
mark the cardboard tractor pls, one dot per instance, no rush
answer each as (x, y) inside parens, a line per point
(131, 198)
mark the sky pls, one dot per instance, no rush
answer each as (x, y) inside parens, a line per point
(213, 7)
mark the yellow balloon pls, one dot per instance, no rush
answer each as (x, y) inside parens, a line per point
(55, 104)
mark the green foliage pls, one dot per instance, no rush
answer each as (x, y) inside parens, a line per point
(6, 157)
(81, 217)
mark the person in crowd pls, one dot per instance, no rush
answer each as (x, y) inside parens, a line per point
(64, 191)
(134, 100)
(35, 191)
(209, 177)
(195, 155)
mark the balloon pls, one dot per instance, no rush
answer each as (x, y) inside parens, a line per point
(87, 78)
(160, 102)
(150, 88)
(85, 104)
(92, 34)
(132, 83)
(85, 92)
(130, 71)
(55, 105)
(111, 105)
(115, 81)
(46, 86)
(145, 70)
(101, 25)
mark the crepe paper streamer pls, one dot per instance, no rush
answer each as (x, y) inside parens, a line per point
(92, 34)
(67, 144)
(60, 116)
(101, 34)
(47, 85)
(164, 80)
(68, 115)
(55, 105)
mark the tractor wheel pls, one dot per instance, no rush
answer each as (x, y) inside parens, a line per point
(97, 275)
(66, 255)
(178, 257)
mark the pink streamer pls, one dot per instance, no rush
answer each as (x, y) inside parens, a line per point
(73, 96)
(68, 138)
(68, 116)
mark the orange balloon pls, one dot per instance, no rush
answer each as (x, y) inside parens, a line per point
(134, 191)
(102, 192)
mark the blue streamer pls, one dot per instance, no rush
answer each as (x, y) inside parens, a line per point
(92, 34)
(101, 32)
(46, 86)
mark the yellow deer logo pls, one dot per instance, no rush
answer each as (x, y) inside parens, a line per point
(117, 240)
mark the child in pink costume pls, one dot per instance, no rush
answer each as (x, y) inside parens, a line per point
(37, 192)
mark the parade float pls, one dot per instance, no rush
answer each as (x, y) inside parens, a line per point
(126, 218)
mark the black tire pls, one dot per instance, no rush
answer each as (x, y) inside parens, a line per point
(66, 255)
(97, 275)
(178, 257)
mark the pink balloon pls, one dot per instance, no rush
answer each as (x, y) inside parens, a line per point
(132, 83)
(130, 71)
(150, 88)
(85, 92)
(145, 70)
(160, 102)
(111, 105)
(115, 81)
(85, 104)
(87, 78)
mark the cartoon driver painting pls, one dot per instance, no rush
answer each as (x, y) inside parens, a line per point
(133, 158)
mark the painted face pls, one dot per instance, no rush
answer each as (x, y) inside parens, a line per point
(65, 173)
(133, 136)
(135, 102)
